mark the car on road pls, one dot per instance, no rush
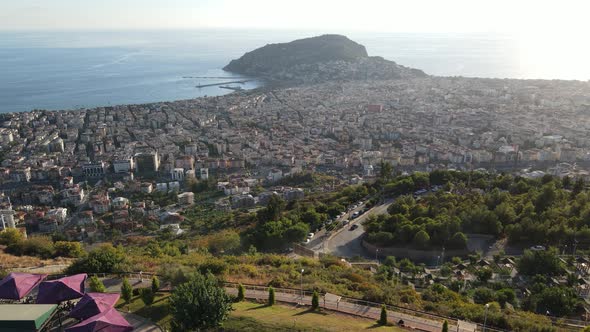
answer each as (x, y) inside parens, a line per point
(306, 241)
(310, 235)
(345, 222)
(353, 227)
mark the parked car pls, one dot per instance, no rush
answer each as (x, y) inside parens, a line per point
(310, 235)
(353, 227)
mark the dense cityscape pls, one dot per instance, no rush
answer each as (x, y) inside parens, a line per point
(429, 203)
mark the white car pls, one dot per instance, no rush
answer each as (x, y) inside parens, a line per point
(310, 235)
(306, 241)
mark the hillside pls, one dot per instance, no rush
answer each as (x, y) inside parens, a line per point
(318, 59)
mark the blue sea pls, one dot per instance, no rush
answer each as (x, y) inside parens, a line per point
(68, 70)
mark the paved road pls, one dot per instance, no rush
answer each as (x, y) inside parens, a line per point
(346, 242)
(139, 323)
(422, 324)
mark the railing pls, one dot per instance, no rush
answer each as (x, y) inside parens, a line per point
(296, 298)
(360, 307)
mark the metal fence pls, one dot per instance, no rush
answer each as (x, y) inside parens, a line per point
(359, 307)
(345, 305)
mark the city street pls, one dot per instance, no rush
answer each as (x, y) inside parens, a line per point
(346, 242)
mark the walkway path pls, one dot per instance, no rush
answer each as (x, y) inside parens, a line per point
(419, 323)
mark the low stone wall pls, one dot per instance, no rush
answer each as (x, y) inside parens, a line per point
(302, 251)
(428, 256)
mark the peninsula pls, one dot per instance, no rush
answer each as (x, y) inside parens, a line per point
(318, 59)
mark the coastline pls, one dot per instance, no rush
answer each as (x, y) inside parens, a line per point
(265, 84)
(66, 70)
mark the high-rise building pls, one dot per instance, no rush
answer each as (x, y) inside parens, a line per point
(147, 162)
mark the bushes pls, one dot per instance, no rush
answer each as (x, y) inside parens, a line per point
(96, 285)
(11, 236)
(155, 284)
(315, 301)
(126, 291)
(483, 295)
(104, 259)
(39, 246)
(147, 296)
(213, 265)
(241, 293)
(506, 295)
(383, 316)
(69, 249)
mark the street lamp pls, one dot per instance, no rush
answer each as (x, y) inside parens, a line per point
(377, 255)
(302, 270)
(485, 317)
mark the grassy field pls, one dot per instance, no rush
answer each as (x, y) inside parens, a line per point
(249, 316)
(254, 317)
(158, 312)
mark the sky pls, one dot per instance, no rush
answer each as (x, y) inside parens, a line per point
(522, 17)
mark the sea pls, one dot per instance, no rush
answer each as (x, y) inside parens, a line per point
(57, 70)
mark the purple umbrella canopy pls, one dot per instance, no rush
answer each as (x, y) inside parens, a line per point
(107, 321)
(63, 289)
(93, 304)
(17, 285)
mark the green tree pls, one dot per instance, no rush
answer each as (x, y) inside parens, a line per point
(126, 291)
(421, 239)
(542, 262)
(421, 180)
(383, 316)
(199, 303)
(334, 210)
(458, 241)
(241, 293)
(147, 296)
(155, 284)
(506, 295)
(578, 186)
(445, 327)
(226, 241)
(483, 295)
(558, 301)
(312, 218)
(104, 259)
(273, 210)
(271, 296)
(96, 285)
(385, 171)
(484, 274)
(315, 301)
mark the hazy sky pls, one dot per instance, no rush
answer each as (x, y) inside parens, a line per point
(529, 17)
